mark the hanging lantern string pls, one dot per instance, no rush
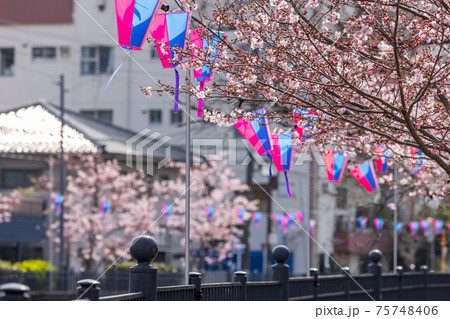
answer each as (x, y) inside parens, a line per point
(200, 100)
(177, 88)
(288, 188)
(117, 70)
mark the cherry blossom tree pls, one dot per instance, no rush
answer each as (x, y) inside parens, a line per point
(7, 202)
(374, 72)
(92, 235)
(214, 185)
(135, 208)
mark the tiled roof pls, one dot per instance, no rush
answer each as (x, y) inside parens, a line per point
(35, 128)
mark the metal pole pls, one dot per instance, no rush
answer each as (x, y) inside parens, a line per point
(62, 183)
(51, 220)
(309, 250)
(188, 193)
(268, 248)
(395, 219)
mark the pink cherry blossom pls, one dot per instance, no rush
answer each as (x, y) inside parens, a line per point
(375, 72)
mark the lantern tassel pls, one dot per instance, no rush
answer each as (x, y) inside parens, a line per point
(288, 188)
(177, 87)
(117, 70)
(200, 101)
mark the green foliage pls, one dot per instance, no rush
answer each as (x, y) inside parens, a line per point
(162, 267)
(26, 191)
(34, 265)
(32, 272)
(5, 265)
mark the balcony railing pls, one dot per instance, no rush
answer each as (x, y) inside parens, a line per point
(29, 208)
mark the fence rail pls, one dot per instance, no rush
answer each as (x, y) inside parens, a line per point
(227, 291)
(176, 293)
(260, 291)
(143, 282)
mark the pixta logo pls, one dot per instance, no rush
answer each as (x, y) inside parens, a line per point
(147, 148)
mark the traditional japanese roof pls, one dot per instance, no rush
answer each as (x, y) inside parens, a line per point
(35, 128)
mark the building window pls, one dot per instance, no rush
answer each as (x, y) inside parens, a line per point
(365, 211)
(13, 178)
(164, 177)
(341, 198)
(343, 224)
(96, 60)
(104, 115)
(7, 62)
(176, 118)
(44, 53)
(64, 52)
(155, 116)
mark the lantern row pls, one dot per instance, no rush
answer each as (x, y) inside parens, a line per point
(280, 219)
(58, 200)
(377, 222)
(137, 19)
(209, 212)
(284, 220)
(413, 226)
(279, 149)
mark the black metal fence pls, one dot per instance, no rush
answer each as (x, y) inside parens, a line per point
(143, 279)
(112, 281)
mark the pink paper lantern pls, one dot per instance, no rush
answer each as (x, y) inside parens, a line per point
(169, 30)
(282, 155)
(365, 175)
(382, 158)
(299, 216)
(134, 18)
(335, 163)
(206, 73)
(256, 132)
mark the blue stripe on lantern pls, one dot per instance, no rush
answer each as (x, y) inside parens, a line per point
(176, 29)
(438, 226)
(285, 141)
(378, 223)
(262, 130)
(143, 13)
(206, 70)
(105, 206)
(209, 211)
(367, 170)
(339, 161)
(241, 212)
(206, 73)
